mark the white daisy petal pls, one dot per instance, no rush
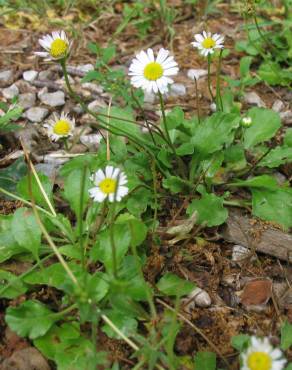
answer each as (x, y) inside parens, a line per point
(147, 72)
(57, 45)
(60, 127)
(109, 171)
(207, 43)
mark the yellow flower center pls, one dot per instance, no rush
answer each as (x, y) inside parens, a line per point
(153, 71)
(62, 127)
(259, 361)
(108, 186)
(208, 43)
(59, 48)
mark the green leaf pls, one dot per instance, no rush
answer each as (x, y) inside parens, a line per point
(8, 245)
(263, 181)
(31, 319)
(102, 250)
(116, 124)
(234, 157)
(9, 176)
(73, 189)
(210, 210)
(127, 325)
(265, 124)
(215, 132)
(205, 361)
(276, 157)
(273, 205)
(23, 189)
(15, 286)
(288, 138)
(175, 184)
(286, 336)
(139, 200)
(240, 342)
(244, 68)
(26, 230)
(171, 284)
(64, 345)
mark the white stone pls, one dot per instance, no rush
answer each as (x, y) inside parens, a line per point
(92, 87)
(36, 114)
(197, 73)
(200, 297)
(96, 105)
(239, 253)
(253, 98)
(27, 100)
(42, 91)
(286, 117)
(29, 76)
(10, 92)
(91, 141)
(278, 106)
(177, 89)
(213, 107)
(85, 67)
(54, 99)
(5, 76)
(45, 75)
(78, 109)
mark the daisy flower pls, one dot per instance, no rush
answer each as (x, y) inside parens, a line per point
(262, 356)
(207, 43)
(60, 127)
(153, 74)
(57, 46)
(109, 184)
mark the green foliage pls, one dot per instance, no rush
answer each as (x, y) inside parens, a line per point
(31, 319)
(205, 361)
(286, 336)
(171, 284)
(265, 124)
(210, 210)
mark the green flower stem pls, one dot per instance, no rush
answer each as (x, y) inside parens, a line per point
(182, 167)
(209, 78)
(65, 311)
(219, 102)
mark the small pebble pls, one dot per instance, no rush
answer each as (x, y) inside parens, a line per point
(213, 107)
(253, 98)
(45, 75)
(239, 253)
(92, 87)
(36, 114)
(10, 92)
(197, 73)
(198, 297)
(176, 90)
(27, 100)
(286, 117)
(91, 141)
(29, 76)
(5, 77)
(149, 97)
(96, 105)
(278, 106)
(85, 67)
(54, 99)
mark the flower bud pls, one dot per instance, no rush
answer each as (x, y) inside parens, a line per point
(246, 122)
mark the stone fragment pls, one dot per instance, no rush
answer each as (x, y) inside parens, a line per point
(286, 117)
(25, 359)
(6, 77)
(30, 76)
(92, 87)
(27, 100)
(177, 89)
(10, 92)
(197, 73)
(36, 114)
(278, 106)
(85, 67)
(54, 99)
(91, 141)
(239, 253)
(48, 169)
(45, 75)
(252, 98)
(198, 297)
(213, 107)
